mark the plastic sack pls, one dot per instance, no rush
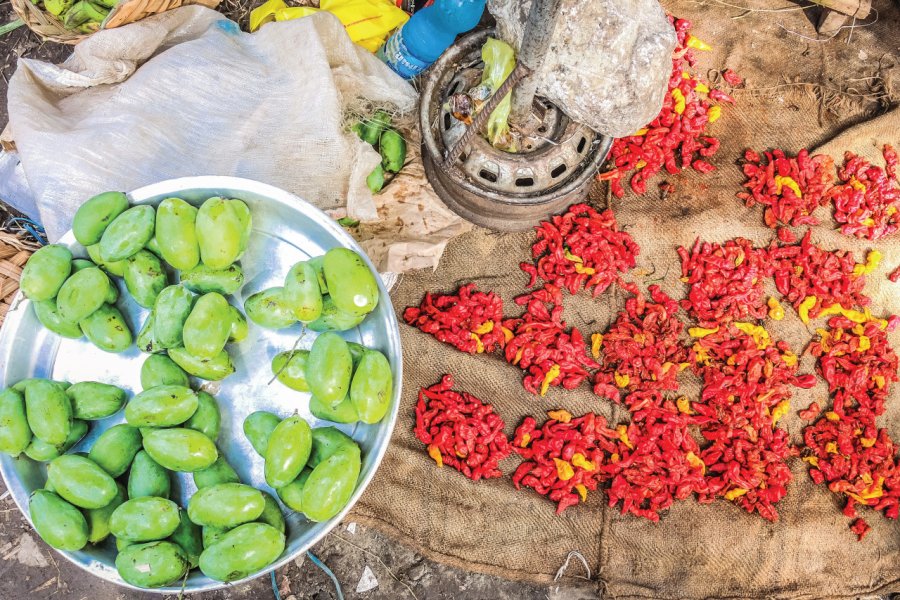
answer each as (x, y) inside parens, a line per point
(187, 93)
(499, 61)
(368, 22)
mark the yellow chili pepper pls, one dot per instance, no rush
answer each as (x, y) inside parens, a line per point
(879, 381)
(757, 332)
(701, 87)
(684, 405)
(696, 462)
(564, 470)
(735, 493)
(526, 439)
(714, 113)
(552, 374)
(811, 460)
(614, 457)
(788, 182)
(867, 442)
(479, 346)
(580, 268)
(486, 327)
(680, 103)
(831, 448)
(582, 491)
(640, 132)
(596, 342)
(701, 332)
(780, 410)
(803, 308)
(622, 380)
(776, 311)
(640, 164)
(579, 460)
(435, 453)
(507, 333)
(518, 356)
(561, 415)
(572, 257)
(697, 44)
(856, 184)
(873, 259)
(622, 430)
(864, 343)
(832, 416)
(852, 315)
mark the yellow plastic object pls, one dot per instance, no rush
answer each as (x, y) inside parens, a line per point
(368, 22)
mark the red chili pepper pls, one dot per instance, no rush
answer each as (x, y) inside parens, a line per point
(811, 412)
(469, 320)
(732, 78)
(461, 431)
(894, 276)
(860, 528)
(867, 202)
(786, 235)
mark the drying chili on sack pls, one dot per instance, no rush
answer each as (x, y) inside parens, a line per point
(642, 349)
(867, 201)
(564, 458)
(726, 281)
(813, 279)
(542, 345)
(581, 248)
(468, 320)
(676, 139)
(790, 188)
(461, 431)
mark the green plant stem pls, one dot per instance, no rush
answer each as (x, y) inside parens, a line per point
(12, 25)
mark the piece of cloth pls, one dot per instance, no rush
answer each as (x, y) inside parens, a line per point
(187, 93)
(798, 94)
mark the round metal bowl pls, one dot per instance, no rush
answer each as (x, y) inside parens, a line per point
(286, 229)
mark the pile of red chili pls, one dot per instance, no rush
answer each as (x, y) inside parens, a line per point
(790, 188)
(468, 320)
(726, 281)
(581, 248)
(676, 138)
(460, 431)
(867, 200)
(813, 279)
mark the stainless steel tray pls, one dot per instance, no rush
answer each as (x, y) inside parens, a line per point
(286, 229)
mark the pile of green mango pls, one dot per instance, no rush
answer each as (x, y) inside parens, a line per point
(333, 292)
(380, 133)
(83, 16)
(348, 381)
(314, 471)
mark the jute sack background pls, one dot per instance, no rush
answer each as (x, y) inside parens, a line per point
(799, 94)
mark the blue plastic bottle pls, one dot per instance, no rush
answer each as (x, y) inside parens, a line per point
(428, 33)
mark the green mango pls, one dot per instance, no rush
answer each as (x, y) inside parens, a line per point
(211, 369)
(331, 484)
(173, 305)
(94, 216)
(162, 406)
(270, 309)
(292, 493)
(392, 147)
(57, 522)
(179, 449)
(372, 386)
(318, 265)
(106, 328)
(351, 284)
(113, 267)
(287, 451)
(203, 279)
(357, 351)
(98, 518)
(220, 232)
(334, 319)
(176, 233)
(375, 180)
(45, 272)
(239, 328)
(208, 327)
(246, 219)
(325, 442)
(146, 337)
(159, 369)
(226, 505)
(301, 292)
(258, 426)
(344, 412)
(152, 565)
(290, 369)
(145, 277)
(15, 434)
(219, 472)
(82, 294)
(211, 535)
(372, 127)
(145, 519)
(48, 315)
(128, 233)
(48, 410)
(329, 368)
(116, 448)
(122, 544)
(244, 550)
(81, 481)
(148, 478)
(41, 451)
(189, 537)
(92, 400)
(80, 264)
(271, 514)
(207, 420)
(153, 246)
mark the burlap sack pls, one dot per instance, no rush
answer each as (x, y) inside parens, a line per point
(708, 551)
